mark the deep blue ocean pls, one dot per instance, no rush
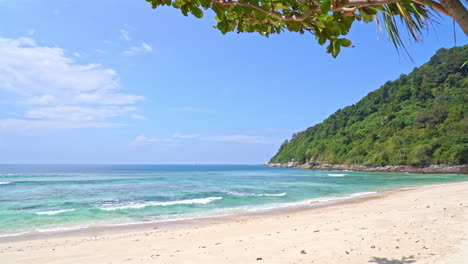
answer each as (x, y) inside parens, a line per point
(48, 198)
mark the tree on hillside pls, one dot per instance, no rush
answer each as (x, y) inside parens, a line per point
(328, 20)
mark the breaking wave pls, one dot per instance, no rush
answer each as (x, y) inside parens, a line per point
(253, 194)
(139, 205)
(55, 212)
(336, 175)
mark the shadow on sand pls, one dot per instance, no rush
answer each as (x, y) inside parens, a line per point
(403, 260)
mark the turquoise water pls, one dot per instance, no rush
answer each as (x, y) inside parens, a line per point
(44, 198)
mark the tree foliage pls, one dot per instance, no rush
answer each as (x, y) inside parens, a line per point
(420, 118)
(328, 20)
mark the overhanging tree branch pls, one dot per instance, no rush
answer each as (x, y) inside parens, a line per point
(272, 13)
(328, 20)
(344, 5)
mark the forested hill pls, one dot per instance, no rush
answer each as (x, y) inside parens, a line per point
(418, 119)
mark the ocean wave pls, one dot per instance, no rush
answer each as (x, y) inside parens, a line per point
(339, 198)
(5, 183)
(12, 234)
(139, 205)
(313, 202)
(336, 175)
(253, 194)
(61, 228)
(55, 212)
(361, 194)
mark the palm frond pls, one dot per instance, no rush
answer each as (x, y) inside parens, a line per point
(414, 17)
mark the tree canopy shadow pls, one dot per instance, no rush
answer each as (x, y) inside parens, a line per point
(403, 260)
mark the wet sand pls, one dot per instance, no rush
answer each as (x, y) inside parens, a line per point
(423, 225)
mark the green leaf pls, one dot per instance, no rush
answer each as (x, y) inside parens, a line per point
(322, 40)
(223, 27)
(220, 12)
(259, 14)
(334, 48)
(204, 3)
(344, 42)
(294, 26)
(184, 9)
(325, 6)
(196, 11)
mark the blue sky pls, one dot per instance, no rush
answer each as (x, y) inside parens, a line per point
(118, 82)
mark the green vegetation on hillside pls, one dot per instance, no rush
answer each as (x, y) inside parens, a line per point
(418, 119)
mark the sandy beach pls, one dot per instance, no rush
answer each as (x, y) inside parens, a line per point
(423, 225)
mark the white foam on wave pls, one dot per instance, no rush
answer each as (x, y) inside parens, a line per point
(61, 228)
(139, 205)
(336, 175)
(13, 234)
(272, 194)
(55, 212)
(313, 202)
(5, 183)
(256, 195)
(361, 194)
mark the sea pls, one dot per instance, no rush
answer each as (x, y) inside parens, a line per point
(37, 199)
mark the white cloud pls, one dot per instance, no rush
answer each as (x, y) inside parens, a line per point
(134, 50)
(44, 99)
(107, 98)
(23, 124)
(54, 90)
(242, 139)
(142, 139)
(139, 117)
(245, 139)
(125, 35)
(77, 113)
(186, 136)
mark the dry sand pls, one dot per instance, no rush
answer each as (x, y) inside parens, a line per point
(424, 225)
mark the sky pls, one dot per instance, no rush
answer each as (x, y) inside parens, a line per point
(117, 82)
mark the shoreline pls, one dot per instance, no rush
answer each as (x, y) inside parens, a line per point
(429, 169)
(194, 221)
(426, 224)
(267, 210)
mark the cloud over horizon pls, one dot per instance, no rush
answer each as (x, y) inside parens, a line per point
(54, 91)
(135, 50)
(125, 35)
(236, 138)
